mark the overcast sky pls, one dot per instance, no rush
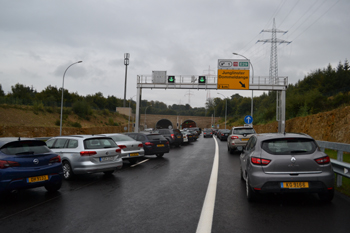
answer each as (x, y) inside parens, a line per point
(39, 39)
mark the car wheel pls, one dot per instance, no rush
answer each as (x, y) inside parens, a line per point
(53, 187)
(326, 196)
(242, 178)
(67, 171)
(160, 155)
(109, 172)
(251, 195)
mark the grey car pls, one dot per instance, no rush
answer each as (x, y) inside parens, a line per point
(286, 163)
(83, 154)
(238, 137)
(131, 149)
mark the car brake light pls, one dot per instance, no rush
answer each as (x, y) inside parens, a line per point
(260, 161)
(118, 150)
(56, 159)
(323, 160)
(87, 153)
(149, 144)
(122, 146)
(234, 137)
(140, 145)
(167, 142)
(172, 136)
(5, 164)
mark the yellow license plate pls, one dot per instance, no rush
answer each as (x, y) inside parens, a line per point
(160, 145)
(134, 154)
(37, 179)
(294, 185)
(245, 139)
(178, 136)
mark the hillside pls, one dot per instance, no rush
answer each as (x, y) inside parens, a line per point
(327, 126)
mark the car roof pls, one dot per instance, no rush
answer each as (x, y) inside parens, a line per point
(83, 136)
(267, 136)
(5, 140)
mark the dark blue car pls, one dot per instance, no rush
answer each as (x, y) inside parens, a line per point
(28, 163)
(153, 143)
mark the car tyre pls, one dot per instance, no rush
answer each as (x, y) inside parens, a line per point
(160, 155)
(109, 172)
(326, 196)
(53, 187)
(251, 195)
(67, 170)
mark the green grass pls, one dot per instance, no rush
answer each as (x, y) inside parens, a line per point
(345, 188)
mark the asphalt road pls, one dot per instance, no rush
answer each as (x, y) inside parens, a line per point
(167, 195)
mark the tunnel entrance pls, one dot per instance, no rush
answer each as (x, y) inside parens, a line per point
(164, 124)
(188, 124)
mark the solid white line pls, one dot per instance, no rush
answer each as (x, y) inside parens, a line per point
(206, 218)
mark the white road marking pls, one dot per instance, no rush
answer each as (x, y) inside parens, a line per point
(143, 161)
(206, 218)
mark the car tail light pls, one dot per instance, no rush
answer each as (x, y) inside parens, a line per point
(167, 142)
(5, 164)
(260, 161)
(122, 146)
(56, 159)
(172, 136)
(118, 150)
(323, 160)
(149, 144)
(140, 145)
(234, 137)
(87, 153)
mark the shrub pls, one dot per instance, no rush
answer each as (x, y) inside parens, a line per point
(82, 109)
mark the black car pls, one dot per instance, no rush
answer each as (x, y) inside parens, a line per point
(222, 134)
(174, 136)
(153, 143)
(207, 133)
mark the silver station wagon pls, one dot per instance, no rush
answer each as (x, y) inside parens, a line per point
(83, 154)
(286, 163)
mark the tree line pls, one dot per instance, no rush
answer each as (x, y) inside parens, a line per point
(321, 90)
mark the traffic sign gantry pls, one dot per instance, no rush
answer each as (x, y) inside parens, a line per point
(171, 79)
(201, 79)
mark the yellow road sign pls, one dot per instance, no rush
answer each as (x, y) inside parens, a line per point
(233, 79)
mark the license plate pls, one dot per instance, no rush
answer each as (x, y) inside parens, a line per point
(226, 134)
(134, 154)
(244, 139)
(294, 185)
(37, 179)
(103, 159)
(160, 145)
(178, 136)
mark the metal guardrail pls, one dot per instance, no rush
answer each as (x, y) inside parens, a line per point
(339, 167)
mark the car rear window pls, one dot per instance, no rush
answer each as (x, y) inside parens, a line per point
(121, 137)
(25, 147)
(242, 131)
(293, 146)
(99, 143)
(152, 137)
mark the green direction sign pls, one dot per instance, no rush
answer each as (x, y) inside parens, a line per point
(243, 64)
(201, 79)
(171, 79)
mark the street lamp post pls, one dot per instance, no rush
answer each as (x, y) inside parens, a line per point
(225, 107)
(144, 125)
(126, 63)
(62, 94)
(251, 110)
(129, 113)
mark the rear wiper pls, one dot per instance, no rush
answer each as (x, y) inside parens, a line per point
(26, 153)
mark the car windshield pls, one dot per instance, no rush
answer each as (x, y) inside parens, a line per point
(293, 146)
(25, 147)
(99, 143)
(121, 137)
(242, 131)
